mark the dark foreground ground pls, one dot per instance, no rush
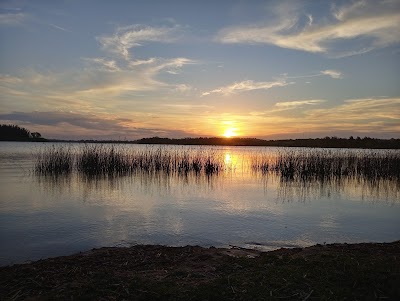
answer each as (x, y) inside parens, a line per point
(322, 272)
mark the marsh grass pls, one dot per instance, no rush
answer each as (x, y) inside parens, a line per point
(54, 161)
(101, 160)
(306, 165)
(327, 165)
(104, 160)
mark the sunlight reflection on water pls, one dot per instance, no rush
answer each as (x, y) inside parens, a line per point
(54, 215)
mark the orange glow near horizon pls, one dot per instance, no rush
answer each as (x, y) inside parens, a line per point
(230, 132)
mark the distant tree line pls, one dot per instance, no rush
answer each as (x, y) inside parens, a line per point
(17, 133)
(9, 132)
(327, 142)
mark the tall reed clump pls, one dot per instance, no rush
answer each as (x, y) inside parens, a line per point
(100, 160)
(321, 165)
(55, 161)
(175, 161)
(263, 163)
(374, 166)
(105, 160)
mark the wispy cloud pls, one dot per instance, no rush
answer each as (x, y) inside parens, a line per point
(366, 109)
(58, 27)
(299, 103)
(132, 36)
(333, 73)
(370, 116)
(173, 64)
(73, 125)
(13, 19)
(377, 22)
(107, 76)
(247, 85)
(110, 75)
(119, 71)
(188, 106)
(183, 88)
(9, 79)
(103, 63)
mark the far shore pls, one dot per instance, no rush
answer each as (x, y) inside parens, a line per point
(327, 142)
(364, 271)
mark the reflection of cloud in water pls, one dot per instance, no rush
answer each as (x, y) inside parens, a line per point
(235, 189)
(229, 207)
(352, 189)
(235, 206)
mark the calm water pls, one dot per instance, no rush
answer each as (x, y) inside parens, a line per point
(44, 217)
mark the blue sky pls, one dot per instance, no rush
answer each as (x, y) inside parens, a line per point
(268, 69)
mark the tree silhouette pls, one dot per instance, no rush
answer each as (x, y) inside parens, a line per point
(9, 132)
(36, 135)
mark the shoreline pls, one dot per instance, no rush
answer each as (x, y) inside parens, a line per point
(317, 143)
(334, 272)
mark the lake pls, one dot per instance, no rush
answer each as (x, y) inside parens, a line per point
(45, 216)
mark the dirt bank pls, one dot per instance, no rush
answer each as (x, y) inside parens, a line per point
(321, 272)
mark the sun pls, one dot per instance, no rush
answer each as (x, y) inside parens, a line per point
(229, 133)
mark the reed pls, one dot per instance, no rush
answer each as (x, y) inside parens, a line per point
(304, 165)
(54, 161)
(98, 159)
(322, 165)
(94, 160)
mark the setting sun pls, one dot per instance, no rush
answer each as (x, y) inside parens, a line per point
(229, 133)
(254, 125)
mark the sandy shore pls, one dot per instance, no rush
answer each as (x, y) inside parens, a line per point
(150, 272)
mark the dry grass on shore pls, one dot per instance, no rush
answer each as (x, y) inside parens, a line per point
(322, 272)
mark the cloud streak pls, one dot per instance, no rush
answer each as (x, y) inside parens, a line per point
(333, 73)
(366, 110)
(120, 72)
(299, 103)
(26, 20)
(106, 76)
(9, 79)
(132, 36)
(13, 19)
(70, 125)
(374, 23)
(59, 27)
(247, 85)
(370, 116)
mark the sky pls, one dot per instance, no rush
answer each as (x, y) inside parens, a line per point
(80, 69)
